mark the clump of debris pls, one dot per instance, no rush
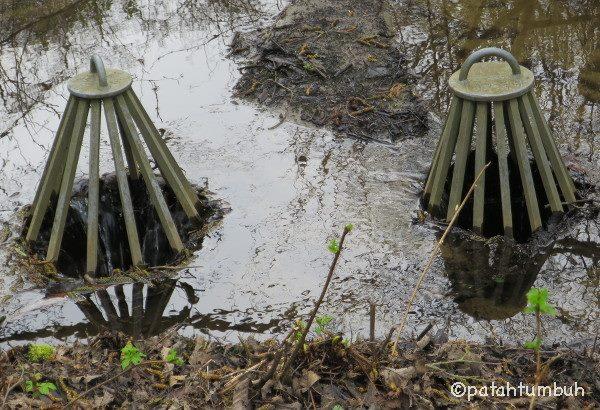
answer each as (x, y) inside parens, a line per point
(172, 372)
(334, 64)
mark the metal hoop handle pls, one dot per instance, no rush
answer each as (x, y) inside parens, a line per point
(97, 66)
(487, 52)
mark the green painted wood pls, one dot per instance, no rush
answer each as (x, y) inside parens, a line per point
(449, 137)
(438, 148)
(539, 154)
(130, 225)
(154, 190)
(134, 173)
(502, 152)
(53, 152)
(66, 186)
(522, 159)
(561, 172)
(480, 161)
(52, 176)
(93, 189)
(463, 146)
(166, 163)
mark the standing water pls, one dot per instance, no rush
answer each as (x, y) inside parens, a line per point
(291, 187)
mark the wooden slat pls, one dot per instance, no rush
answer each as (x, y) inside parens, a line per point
(130, 225)
(449, 137)
(167, 165)
(51, 178)
(137, 308)
(93, 189)
(502, 152)
(522, 159)
(480, 161)
(134, 173)
(438, 148)
(539, 154)
(463, 146)
(563, 177)
(154, 190)
(66, 186)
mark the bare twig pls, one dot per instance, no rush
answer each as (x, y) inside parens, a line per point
(411, 299)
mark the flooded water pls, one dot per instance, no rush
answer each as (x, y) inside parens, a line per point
(291, 188)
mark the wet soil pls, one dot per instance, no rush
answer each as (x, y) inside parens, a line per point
(328, 373)
(333, 64)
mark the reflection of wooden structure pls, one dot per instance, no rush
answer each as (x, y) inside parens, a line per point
(147, 316)
(126, 119)
(496, 95)
(490, 281)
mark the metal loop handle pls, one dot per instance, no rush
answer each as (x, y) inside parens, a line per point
(487, 52)
(97, 66)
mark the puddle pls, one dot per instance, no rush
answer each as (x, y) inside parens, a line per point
(292, 188)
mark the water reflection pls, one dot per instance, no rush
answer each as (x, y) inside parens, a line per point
(137, 315)
(490, 279)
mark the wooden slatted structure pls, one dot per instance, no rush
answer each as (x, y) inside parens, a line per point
(127, 123)
(495, 97)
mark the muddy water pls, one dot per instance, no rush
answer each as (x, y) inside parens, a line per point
(291, 188)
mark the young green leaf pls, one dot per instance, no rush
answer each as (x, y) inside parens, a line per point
(45, 388)
(349, 227)
(173, 357)
(333, 246)
(535, 344)
(537, 301)
(29, 386)
(130, 355)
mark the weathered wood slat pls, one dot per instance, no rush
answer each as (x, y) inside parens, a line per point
(563, 177)
(154, 190)
(541, 160)
(66, 186)
(449, 137)
(502, 152)
(93, 189)
(163, 157)
(52, 176)
(463, 146)
(480, 161)
(438, 148)
(124, 192)
(134, 173)
(520, 147)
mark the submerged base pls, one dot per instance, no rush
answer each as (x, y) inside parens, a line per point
(113, 250)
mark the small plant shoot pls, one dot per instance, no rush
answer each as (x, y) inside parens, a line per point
(333, 246)
(130, 355)
(39, 388)
(537, 301)
(174, 358)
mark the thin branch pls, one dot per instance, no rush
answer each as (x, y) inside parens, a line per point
(426, 269)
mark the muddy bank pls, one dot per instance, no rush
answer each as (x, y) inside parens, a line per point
(333, 64)
(329, 372)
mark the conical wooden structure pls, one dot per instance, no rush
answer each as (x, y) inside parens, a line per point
(495, 98)
(91, 93)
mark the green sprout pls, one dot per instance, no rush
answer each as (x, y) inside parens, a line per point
(39, 352)
(537, 302)
(333, 246)
(39, 388)
(309, 66)
(174, 358)
(130, 355)
(322, 322)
